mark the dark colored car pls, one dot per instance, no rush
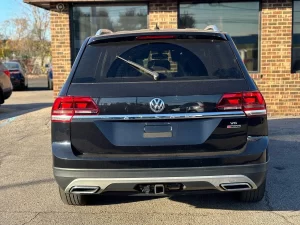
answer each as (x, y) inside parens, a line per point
(18, 76)
(159, 113)
(50, 77)
(5, 84)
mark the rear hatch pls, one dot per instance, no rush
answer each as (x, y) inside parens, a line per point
(16, 75)
(185, 111)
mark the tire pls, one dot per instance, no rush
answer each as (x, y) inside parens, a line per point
(23, 87)
(72, 199)
(253, 195)
(1, 97)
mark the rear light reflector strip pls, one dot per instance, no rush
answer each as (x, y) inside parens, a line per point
(252, 103)
(61, 118)
(64, 108)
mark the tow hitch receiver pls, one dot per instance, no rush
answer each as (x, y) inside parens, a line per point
(159, 189)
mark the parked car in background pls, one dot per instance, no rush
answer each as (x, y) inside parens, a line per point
(159, 113)
(5, 83)
(50, 77)
(18, 76)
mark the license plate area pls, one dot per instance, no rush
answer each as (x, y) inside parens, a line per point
(158, 131)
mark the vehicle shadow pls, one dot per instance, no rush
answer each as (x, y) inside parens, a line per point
(32, 89)
(38, 89)
(118, 199)
(10, 111)
(283, 178)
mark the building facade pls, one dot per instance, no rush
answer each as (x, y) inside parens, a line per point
(266, 32)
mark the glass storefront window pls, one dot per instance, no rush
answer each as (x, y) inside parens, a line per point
(239, 19)
(296, 38)
(87, 20)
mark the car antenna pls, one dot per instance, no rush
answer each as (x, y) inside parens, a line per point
(156, 27)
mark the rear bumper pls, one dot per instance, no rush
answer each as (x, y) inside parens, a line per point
(193, 179)
(255, 152)
(18, 83)
(115, 174)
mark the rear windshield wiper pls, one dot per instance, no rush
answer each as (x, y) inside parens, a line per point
(154, 74)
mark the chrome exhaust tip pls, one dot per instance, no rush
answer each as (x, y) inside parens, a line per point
(84, 190)
(236, 187)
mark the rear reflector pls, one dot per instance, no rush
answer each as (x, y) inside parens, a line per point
(154, 37)
(252, 103)
(64, 108)
(7, 73)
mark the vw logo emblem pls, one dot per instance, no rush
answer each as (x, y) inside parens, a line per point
(157, 105)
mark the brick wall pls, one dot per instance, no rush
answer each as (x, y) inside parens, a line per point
(163, 13)
(281, 89)
(60, 46)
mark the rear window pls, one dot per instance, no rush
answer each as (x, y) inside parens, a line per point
(12, 66)
(171, 59)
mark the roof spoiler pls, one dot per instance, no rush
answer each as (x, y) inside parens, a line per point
(106, 31)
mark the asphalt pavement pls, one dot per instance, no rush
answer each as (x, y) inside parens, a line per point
(29, 194)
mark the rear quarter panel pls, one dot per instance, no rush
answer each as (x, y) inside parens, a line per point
(5, 83)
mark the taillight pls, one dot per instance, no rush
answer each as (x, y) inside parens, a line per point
(7, 73)
(231, 101)
(153, 37)
(252, 103)
(64, 108)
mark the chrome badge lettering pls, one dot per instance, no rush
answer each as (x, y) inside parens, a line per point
(233, 125)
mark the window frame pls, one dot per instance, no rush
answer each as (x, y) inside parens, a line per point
(229, 1)
(292, 41)
(99, 4)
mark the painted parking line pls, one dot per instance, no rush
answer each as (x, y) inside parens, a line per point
(8, 121)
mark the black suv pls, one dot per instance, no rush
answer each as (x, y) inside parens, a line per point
(159, 112)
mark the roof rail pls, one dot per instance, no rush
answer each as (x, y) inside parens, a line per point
(212, 28)
(103, 31)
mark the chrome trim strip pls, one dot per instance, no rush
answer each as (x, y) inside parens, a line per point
(216, 181)
(256, 112)
(174, 116)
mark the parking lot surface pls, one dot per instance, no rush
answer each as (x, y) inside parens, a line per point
(29, 194)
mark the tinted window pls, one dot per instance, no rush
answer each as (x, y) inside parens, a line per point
(296, 38)
(12, 66)
(173, 60)
(87, 20)
(239, 19)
